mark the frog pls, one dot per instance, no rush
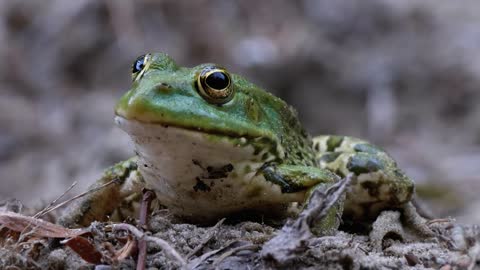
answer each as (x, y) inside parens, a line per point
(209, 143)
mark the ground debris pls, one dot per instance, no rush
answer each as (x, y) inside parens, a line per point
(294, 236)
(244, 245)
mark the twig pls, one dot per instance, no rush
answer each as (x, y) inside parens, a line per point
(80, 195)
(46, 209)
(140, 235)
(147, 198)
(321, 202)
(199, 261)
(438, 220)
(295, 235)
(49, 209)
(233, 251)
(206, 239)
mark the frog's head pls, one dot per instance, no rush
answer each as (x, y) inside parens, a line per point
(206, 98)
(202, 134)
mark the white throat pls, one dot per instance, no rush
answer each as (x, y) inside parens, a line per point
(200, 175)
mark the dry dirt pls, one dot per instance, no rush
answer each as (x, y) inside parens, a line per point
(171, 244)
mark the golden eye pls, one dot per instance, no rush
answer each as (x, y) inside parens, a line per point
(215, 85)
(139, 65)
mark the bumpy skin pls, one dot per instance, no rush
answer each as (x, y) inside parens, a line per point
(274, 161)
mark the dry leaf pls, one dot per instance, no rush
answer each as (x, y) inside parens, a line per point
(37, 227)
(84, 249)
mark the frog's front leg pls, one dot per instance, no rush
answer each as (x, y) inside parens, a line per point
(117, 185)
(294, 178)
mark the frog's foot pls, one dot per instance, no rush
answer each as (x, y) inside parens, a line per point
(415, 222)
(114, 194)
(307, 180)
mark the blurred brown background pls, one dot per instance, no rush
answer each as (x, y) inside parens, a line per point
(403, 74)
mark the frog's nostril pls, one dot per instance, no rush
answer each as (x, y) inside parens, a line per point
(163, 87)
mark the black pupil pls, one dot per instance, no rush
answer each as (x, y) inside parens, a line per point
(139, 64)
(217, 80)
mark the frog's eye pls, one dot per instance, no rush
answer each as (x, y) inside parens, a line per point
(139, 66)
(215, 85)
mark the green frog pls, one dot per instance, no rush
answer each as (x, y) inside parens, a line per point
(210, 143)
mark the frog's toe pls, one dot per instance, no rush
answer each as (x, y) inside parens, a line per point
(416, 222)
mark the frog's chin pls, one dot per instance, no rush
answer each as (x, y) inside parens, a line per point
(201, 176)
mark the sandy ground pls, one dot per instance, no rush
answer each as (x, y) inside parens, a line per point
(390, 244)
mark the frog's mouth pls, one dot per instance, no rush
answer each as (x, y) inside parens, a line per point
(145, 132)
(138, 127)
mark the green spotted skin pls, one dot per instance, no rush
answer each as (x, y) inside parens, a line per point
(379, 184)
(210, 143)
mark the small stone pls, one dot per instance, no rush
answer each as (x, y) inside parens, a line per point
(412, 260)
(464, 261)
(103, 267)
(56, 259)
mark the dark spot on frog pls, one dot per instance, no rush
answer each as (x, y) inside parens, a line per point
(367, 148)
(218, 172)
(163, 87)
(302, 144)
(399, 173)
(330, 156)
(211, 172)
(339, 173)
(197, 163)
(145, 165)
(317, 147)
(363, 164)
(270, 174)
(201, 186)
(334, 142)
(373, 188)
